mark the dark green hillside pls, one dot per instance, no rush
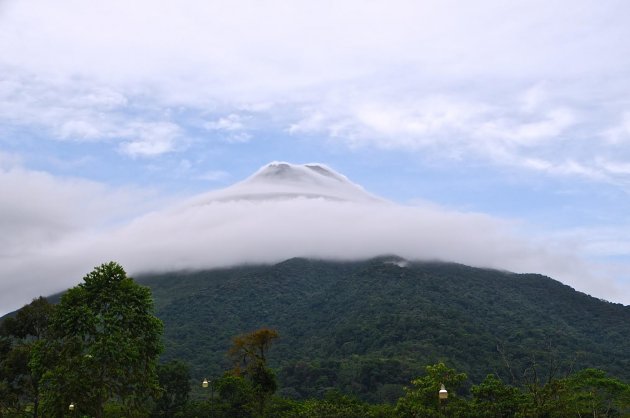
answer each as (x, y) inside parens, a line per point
(369, 327)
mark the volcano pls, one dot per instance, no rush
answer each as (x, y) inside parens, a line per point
(284, 181)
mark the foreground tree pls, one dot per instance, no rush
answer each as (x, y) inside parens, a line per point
(590, 392)
(105, 347)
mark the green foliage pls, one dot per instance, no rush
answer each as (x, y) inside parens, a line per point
(494, 399)
(421, 399)
(236, 397)
(19, 338)
(249, 352)
(174, 381)
(590, 392)
(105, 346)
(353, 335)
(30, 322)
(368, 328)
(337, 405)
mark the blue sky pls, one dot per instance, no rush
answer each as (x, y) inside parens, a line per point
(517, 110)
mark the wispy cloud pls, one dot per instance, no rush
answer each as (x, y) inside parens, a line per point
(150, 139)
(232, 127)
(448, 125)
(213, 175)
(432, 77)
(619, 134)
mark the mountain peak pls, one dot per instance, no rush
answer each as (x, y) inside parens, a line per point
(283, 172)
(281, 180)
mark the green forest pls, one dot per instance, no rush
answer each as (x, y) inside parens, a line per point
(308, 338)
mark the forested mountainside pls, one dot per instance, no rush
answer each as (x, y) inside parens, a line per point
(369, 327)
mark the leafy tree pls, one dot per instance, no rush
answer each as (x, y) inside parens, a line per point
(590, 392)
(249, 352)
(337, 405)
(494, 399)
(174, 381)
(421, 399)
(237, 396)
(105, 347)
(30, 322)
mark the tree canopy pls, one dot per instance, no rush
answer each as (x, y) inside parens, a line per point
(105, 346)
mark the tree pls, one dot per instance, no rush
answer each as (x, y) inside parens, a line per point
(174, 380)
(237, 397)
(337, 405)
(421, 399)
(249, 352)
(590, 392)
(21, 335)
(494, 399)
(30, 322)
(105, 347)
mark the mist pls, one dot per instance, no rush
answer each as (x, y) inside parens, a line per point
(225, 230)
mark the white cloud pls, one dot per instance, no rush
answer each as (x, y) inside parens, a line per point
(619, 134)
(593, 171)
(533, 97)
(40, 212)
(435, 76)
(299, 44)
(408, 124)
(420, 122)
(81, 112)
(450, 126)
(550, 125)
(213, 175)
(230, 123)
(232, 126)
(200, 52)
(615, 167)
(150, 139)
(79, 129)
(210, 231)
(39, 209)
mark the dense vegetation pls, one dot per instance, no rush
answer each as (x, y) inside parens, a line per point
(96, 351)
(310, 338)
(368, 328)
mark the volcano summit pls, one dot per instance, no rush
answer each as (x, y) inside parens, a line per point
(283, 181)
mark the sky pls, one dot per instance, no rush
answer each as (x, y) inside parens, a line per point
(510, 119)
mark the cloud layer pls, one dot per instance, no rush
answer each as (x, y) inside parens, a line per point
(510, 85)
(230, 227)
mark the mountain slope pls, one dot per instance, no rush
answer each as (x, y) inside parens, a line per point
(368, 327)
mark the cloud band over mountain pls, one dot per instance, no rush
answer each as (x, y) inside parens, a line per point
(283, 211)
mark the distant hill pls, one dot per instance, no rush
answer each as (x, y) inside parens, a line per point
(369, 327)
